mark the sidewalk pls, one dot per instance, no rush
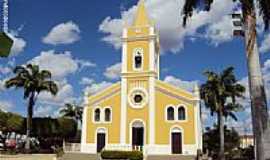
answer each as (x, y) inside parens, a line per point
(28, 157)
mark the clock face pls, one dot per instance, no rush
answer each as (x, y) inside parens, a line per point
(138, 98)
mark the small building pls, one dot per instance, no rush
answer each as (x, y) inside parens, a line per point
(141, 112)
(246, 141)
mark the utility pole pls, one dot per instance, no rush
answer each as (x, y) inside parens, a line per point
(246, 27)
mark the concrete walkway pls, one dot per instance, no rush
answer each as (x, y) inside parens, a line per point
(28, 157)
(170, 157)
(79, 156)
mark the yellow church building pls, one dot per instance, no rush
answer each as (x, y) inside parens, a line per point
(142, 112)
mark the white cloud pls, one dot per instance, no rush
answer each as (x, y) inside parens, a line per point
(46, 111)
(65, 95)
(113, 72)
(6, 105)
(187, 85)
(60, 64)
(86, 81)
(220, 32)
(64, 33)
(2, 85)
(96, 87)
(265, 45)
(84, 63)
(19, 43)
(169, 23)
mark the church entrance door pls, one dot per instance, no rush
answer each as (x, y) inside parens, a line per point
(176, 142)
(100, 141)
(137, 135)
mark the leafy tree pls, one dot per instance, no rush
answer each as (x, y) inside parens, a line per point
(211, 141)
(260, 117)
(33, 81)
(219, 93)
(10, 122)
(72, 111)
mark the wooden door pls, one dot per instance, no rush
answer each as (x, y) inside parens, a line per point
(137, 136)
(176, 143)
(100, 141)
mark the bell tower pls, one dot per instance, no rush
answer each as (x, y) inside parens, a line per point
(140, 70)
(140, 54)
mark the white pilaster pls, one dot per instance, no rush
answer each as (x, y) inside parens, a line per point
(84, 123)
(124, 52)
(123, 125)
(152, 101)
(152, 51)
(197, 114)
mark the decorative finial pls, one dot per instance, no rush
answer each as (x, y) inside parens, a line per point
(196, 90)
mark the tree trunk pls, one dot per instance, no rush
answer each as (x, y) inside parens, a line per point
(260, 117)
(29, 121)
(221, 155)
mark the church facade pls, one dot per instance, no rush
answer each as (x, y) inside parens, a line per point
(142, 112)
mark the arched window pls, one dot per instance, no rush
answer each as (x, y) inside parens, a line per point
(181, 113)
(170, 113)
(138, 60)
(107, 114)
(97, 115)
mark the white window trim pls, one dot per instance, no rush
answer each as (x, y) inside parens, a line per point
(130, 98)
(166, 115)
(108, 107)
(135, 50)
(176, 113)
(186, 113)
(93, 115)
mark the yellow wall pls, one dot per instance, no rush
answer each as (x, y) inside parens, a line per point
(113, 128)
(163, 127)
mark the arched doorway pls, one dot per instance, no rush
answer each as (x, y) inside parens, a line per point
(137, 134)
(176, 141)
(101, 139)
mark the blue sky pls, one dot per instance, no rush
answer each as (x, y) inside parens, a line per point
(79, 41)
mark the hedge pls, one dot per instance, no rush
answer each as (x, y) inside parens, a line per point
(131, 155)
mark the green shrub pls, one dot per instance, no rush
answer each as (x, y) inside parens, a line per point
(131, 155)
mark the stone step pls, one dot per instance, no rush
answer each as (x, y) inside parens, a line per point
(170, 157)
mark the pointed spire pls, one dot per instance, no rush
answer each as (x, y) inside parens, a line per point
(141, 18)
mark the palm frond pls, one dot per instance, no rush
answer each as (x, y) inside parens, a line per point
(264, 6)
(49, 86)
(45, 74)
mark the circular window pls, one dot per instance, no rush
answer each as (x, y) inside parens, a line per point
(138, 98)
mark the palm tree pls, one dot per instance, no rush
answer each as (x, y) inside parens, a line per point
(72, 111)
(260, 117)
(33, 81)
(219, 93)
